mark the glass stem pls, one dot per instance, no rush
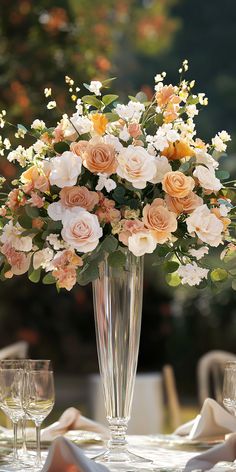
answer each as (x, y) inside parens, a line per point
(23, 425)
(118, 428)
(38, 445)
(15, 451)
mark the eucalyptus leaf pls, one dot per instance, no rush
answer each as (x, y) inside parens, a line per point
(92, 100)
(34, 275)
(61, 147)
(170, 266)
(117, 259)
(32, 212)
(49, 279)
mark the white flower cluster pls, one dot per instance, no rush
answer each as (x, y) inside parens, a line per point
(130, 112)
(192, 274)
(164, 135)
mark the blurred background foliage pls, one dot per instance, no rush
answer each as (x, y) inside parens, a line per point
(40, 43)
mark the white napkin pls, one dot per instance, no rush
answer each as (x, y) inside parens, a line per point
(213, 421)
(225, 452)
(64, 456)
(72, 419)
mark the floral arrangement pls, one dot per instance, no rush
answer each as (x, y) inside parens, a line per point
(112, 176)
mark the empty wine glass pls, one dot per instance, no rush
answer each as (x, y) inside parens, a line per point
(38, 401)
(38, 364)
(229, 387)
(11, 384)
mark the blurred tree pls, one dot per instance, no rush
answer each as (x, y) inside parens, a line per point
(42, 41)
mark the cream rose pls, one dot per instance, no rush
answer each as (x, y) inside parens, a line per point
(206, 225)
(136, 165)
(176, 184)
(183, 205)
(207, 178)
(79, 148)
(100, 157)
(142, 243)
(81, 229)
(160, 220)
(162, 167)
(65, 169)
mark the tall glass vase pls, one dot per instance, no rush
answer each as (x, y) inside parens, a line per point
(117, 296)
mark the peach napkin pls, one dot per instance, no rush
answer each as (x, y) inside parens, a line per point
(64, 456)
(225, 452)
(72, 419)
(213, 421)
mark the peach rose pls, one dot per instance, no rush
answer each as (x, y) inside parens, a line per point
(106, 211)
(100, 158)
(177, 150)
(100, 122)
(15, 199)
(130, 227)
(33, 179)
(78, 196)
(164, 95)
(36, 200)
(160, 220)
(65, 278)
(79, 148)
(183, 205)
(176, 184)
(134, 129)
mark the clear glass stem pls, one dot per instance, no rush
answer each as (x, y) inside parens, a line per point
(15, 450)
(38, 445)
(117, 295)
(23, 426)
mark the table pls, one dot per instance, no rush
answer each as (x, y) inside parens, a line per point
(166, 458)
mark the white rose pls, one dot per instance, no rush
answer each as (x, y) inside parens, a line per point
(41, 258)
(113, 141)
(207, 178)
(142, 243)
(82, 124)
(55, 211)
(136, 165)
(39, 125)
(81, 229)
(206, 225)
(202, 157)
(13, 234)
(65, 169)
(192, 274)
(162, 167)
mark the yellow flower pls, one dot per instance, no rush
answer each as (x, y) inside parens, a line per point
(99, 122)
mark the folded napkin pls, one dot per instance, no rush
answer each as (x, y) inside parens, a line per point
(64, 456)
(213, 421)
(72, 419)
(225, 452)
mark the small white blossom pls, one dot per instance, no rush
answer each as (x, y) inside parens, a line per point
(20, 134)
(160, 77)
(47, 92)
(224, 209)
(82, 124)
(192, 274)
(2, 118)
(51, 105)
(42, 258)
(79, 106)
(21, 155)
(218, 144)
(95, 87)
(199, 253)
(38, 125)
(39, 147)
(124, 134)
(55, 242)
(192, 111)
(224, 136)
(163, 136)
(104, 181)
(7, 144)
(130, 112)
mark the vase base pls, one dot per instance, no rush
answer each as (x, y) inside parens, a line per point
(122, 460)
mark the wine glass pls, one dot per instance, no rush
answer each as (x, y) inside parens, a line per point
(11, 384)
(229, 387)
(38, 401)
(38, 364)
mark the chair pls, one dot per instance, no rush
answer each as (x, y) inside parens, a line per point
(172, 396)
(210, 369)
(17, 350)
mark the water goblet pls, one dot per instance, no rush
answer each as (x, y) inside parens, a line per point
(38, 401)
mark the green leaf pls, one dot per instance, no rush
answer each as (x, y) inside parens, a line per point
(119, 194)
(170, 266)
(112, 117)
(107, 99)
(32, 212)
(162, 250)
(222, 174)
(106, 83)
(234, 284)
(173, 280)
(159, 119)
(49, 279)
(34, 275)
(22, 127)
(25, 221)
(92, 100)
(192, 100)
(88, 273)
(30, 231)
(61, 147)
(218, 275)
(117, 259)
(109, 244)
(132, 98)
